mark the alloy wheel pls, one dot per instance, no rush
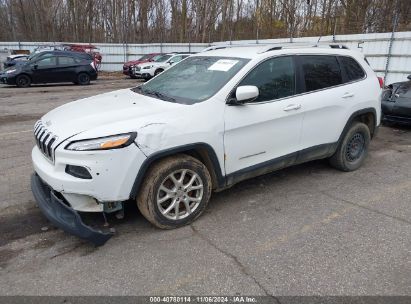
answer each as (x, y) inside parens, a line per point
(180, 194)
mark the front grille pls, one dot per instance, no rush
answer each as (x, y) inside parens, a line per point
(45, 140)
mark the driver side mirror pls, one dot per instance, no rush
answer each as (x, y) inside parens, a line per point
(244, 94)
(171, 62)
(409, 77)
(35, 66)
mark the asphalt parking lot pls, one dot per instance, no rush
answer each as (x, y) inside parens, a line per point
(305, 230)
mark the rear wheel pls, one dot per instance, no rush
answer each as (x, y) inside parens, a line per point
(351, 152)
(83, 79)
(175, 192)
(23, 81)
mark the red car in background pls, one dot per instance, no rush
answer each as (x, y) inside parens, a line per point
(129, 64)
(90, 49)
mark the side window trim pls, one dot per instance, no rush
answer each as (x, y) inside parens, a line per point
(300, 81)
(292, 56)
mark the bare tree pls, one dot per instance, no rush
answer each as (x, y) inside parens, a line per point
(144, 21)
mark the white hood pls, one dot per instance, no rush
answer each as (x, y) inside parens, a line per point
(110, 112)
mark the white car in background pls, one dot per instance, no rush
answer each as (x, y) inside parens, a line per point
(150, 69)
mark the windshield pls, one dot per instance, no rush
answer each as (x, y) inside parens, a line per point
(162, 58)
(35, 55)
(145, 57)
(193, 80)
(156, 57)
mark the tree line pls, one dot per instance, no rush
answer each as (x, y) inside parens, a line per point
(150, 21)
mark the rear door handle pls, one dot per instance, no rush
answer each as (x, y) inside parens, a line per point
(292, 107)
(348, 95)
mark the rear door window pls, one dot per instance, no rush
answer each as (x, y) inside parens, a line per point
(320, 72)
(353, 70)
(64, 60)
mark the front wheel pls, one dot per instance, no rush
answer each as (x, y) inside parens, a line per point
(23, 81)
(352, 150)
(175, 192)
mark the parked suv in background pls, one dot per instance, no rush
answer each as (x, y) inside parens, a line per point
(214, 119)
(127, 67)
(52, 67)
(150, 69)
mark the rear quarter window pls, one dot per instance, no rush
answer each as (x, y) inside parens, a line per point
(353, 69)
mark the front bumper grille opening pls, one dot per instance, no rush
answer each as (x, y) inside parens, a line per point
(45, 140)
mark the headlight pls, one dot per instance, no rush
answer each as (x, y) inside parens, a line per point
(147, 67)
(103, 143)
(10, 71)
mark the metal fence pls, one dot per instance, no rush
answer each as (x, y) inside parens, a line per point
(115, 54)
(389, 54)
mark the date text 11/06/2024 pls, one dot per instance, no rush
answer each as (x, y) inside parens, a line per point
(203, 299)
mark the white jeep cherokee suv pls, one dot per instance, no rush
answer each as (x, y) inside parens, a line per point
(214, 119)
(148, 70)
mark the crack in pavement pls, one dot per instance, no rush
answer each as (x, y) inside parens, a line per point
(67, 251)
(236, 261)
(365, 207)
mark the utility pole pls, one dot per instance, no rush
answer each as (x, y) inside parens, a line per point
(394, 27)
(335, 21)
(257, 13)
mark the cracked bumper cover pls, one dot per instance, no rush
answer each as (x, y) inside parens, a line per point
(62, 215)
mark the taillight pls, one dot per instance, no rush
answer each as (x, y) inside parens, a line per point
(381, 82)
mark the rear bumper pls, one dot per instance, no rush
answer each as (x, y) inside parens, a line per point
(127, 70)
(397, 119)
(62, 215)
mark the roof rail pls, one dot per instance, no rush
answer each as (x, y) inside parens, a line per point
(278, 46)
(226, 46)
(291, 45)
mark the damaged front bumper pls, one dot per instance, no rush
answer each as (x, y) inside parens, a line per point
(62, 215)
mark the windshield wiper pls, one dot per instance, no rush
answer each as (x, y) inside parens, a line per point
(155, 93)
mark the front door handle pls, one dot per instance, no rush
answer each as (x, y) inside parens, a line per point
(292, 107)
(348, 95)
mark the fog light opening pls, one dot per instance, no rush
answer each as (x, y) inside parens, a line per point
(78, 171)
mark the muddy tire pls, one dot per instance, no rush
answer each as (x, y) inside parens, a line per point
(175, 191)
(23, 81)
(353, 149)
